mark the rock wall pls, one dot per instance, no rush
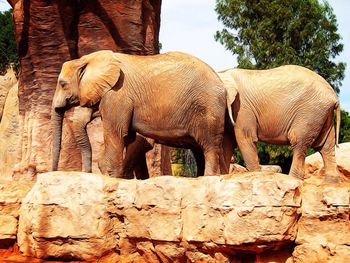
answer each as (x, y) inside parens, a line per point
(51, 32)
(250, 217)
(79, 216)
(9, 124)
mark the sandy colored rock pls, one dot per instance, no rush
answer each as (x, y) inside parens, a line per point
(85, 216)
(314, 162)
(11, 195)
(59, 207)
(6, 83)
(10, 145)
(315, 253)
(324, 225)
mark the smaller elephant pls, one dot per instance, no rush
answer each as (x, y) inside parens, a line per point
(135, 157)
(285, 105)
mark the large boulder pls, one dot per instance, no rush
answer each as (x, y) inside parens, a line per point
(11, 195)
(324, 225)
(71, 215)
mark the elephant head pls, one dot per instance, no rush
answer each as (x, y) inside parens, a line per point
(81, 82)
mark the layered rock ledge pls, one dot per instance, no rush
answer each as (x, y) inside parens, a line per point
(73, 215)
(254, 217)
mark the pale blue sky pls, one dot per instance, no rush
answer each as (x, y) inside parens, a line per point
(189, 26)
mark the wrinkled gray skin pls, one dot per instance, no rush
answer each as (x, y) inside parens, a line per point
(135, 164)
(287, 105)
(173, 98)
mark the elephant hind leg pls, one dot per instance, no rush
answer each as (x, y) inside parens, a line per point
(300, 139)
(141, 170)
(200, 162)
(212, 161)
(297, 167)
(327, 151)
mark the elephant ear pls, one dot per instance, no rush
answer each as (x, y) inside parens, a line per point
(231, 89)
(99, 74)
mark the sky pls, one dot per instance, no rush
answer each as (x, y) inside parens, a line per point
(190, 25)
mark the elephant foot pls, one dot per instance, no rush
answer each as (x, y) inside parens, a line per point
(271, 168)
(331, 179)
(296, 173)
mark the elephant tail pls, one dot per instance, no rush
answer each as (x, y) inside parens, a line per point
(337, 129)
(229, 108)
(229, 105)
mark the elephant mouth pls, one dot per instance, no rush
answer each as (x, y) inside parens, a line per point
(66, 105)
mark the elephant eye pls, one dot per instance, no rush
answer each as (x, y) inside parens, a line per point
(63, 83)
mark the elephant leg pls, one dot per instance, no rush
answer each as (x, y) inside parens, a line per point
(228, 144)
(247, 144)
(81, 117)
(200, 162)
(299, 142)
(297, 168)
(212, 157)
(111, 161)
(115, 130)
(328, 155)
(141, 170)
(135, 158)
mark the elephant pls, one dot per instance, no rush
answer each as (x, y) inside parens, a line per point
(288, 105)
(173, 98)
(135, 157)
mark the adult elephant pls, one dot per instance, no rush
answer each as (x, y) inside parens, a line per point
(285, 105)
(174, 98)
(135, 164)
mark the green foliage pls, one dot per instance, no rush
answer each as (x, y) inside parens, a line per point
(344, 135)
(8, 51)
(186, 164)
(269, 33)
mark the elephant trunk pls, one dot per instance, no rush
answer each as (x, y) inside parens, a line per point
(82, 139)
(56, 124)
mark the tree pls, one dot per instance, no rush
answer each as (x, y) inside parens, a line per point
(344, 135)
(269, 33)
(8, 51)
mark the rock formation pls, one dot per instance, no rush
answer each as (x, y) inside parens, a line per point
(91, 216)
(51, 32)
(254, 217)
(9, 124)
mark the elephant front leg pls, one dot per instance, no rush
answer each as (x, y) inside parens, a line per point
(111, 161)
(81, 117)
(247, 144)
